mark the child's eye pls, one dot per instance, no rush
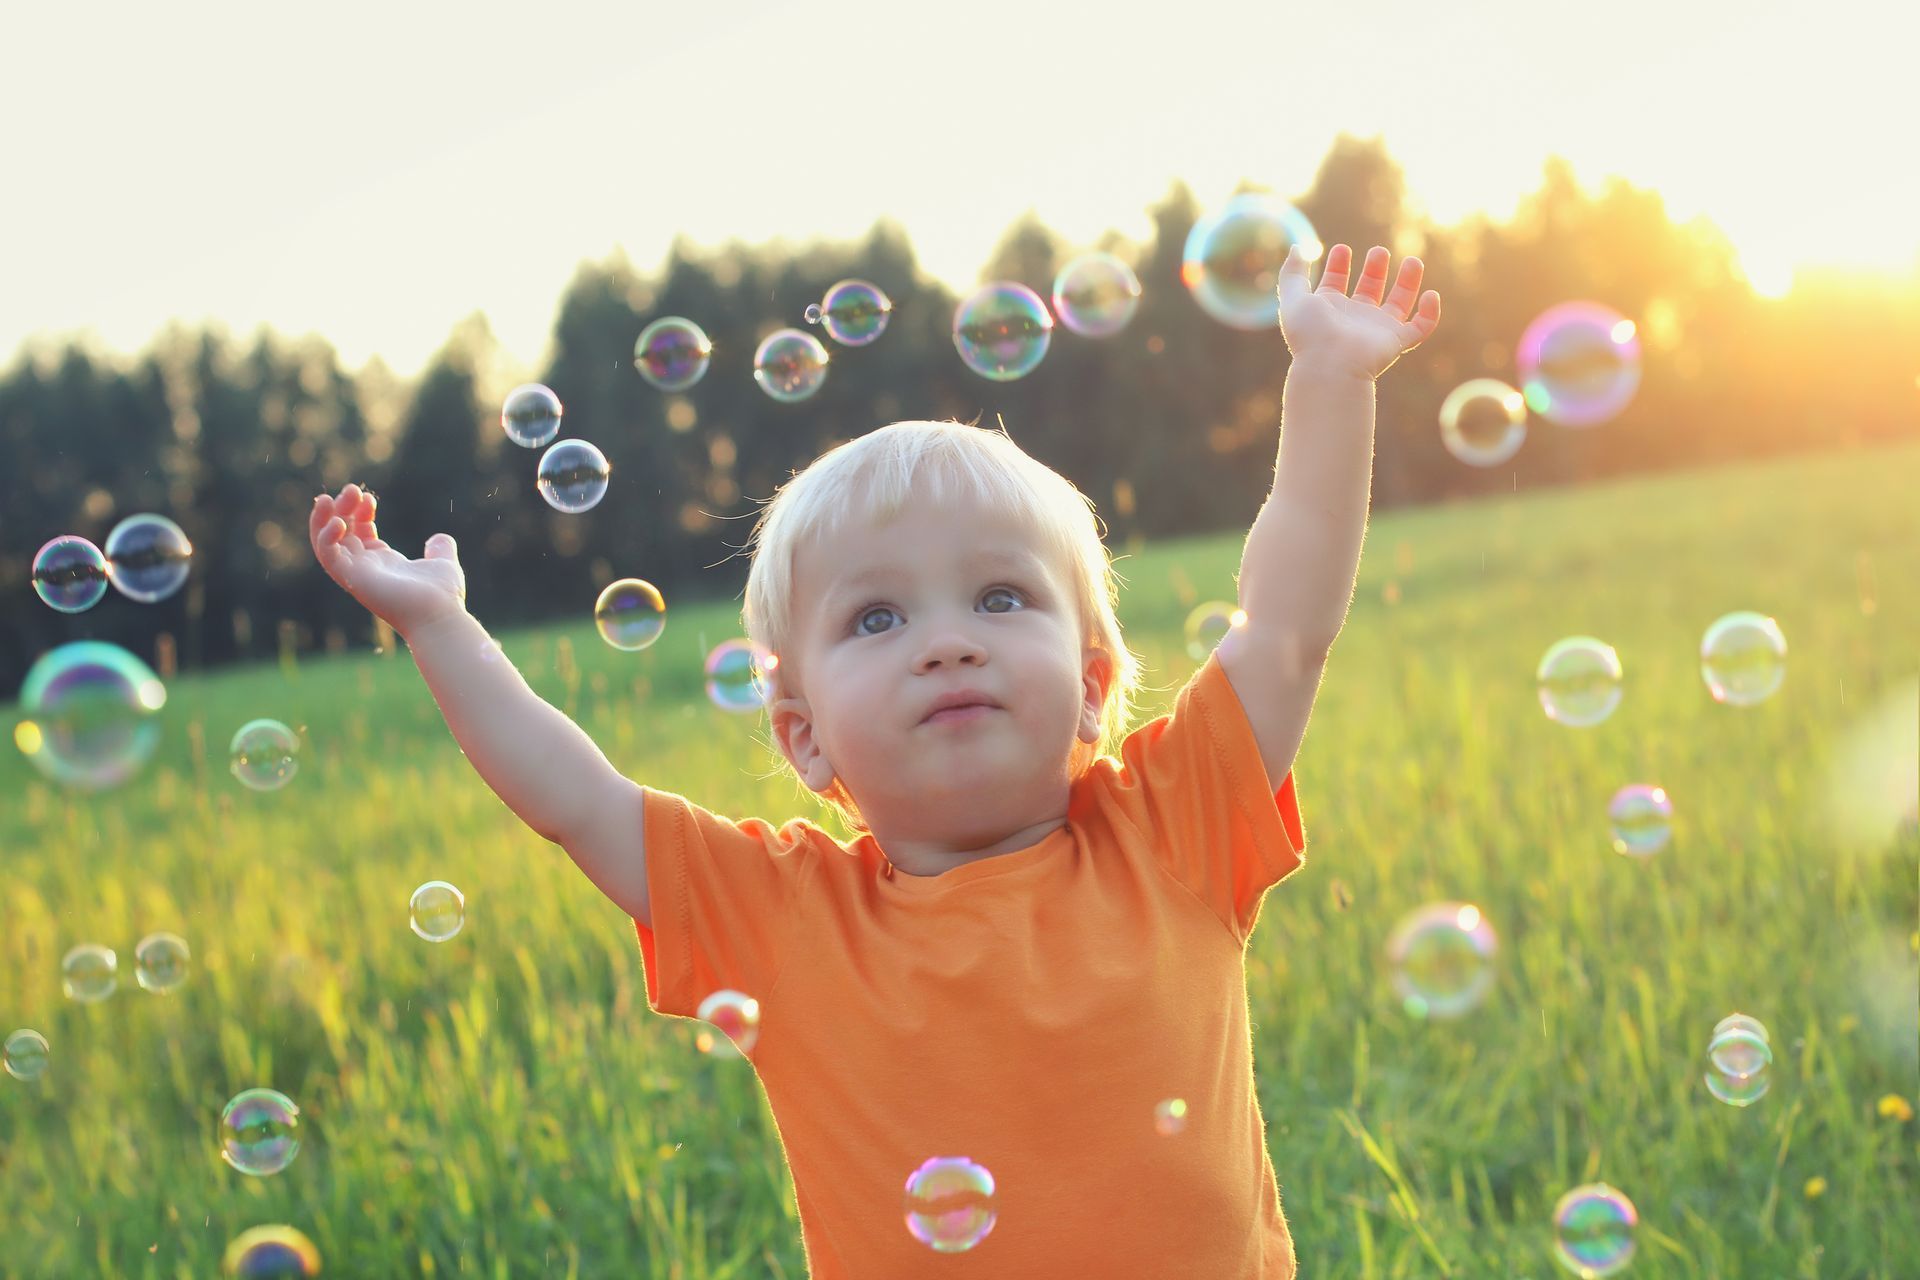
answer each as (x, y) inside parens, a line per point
(1008, 592)
(859, 623)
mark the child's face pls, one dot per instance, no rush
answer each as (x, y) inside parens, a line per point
(890, 618)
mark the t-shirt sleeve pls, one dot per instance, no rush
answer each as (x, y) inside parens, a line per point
(721, 895)
(1192, 787)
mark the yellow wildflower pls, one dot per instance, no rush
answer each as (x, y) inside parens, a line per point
(1895, 1107)
(1816, 1187)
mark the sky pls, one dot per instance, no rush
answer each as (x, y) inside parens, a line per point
(375, 172)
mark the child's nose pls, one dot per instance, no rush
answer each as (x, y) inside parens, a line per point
(951, 646)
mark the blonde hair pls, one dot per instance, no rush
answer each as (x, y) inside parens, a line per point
(877, 475)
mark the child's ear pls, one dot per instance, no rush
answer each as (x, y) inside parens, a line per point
(1096, 674)
(793, 730)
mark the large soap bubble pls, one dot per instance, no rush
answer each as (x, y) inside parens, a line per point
(1231, 261)
(90, 711)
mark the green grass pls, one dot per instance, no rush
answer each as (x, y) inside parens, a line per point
(503, 1105)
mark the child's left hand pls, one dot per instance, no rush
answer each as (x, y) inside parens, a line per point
(1362, 334)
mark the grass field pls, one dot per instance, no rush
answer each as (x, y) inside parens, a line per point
(504, 1105)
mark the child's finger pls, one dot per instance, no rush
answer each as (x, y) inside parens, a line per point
(1334, 274)
(322, 512)
(1405, 289)
(1373, 276)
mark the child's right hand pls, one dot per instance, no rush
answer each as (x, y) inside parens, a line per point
(408, 594)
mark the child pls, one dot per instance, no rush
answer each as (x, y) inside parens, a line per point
(1032, 951)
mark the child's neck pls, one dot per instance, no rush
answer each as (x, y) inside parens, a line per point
(934, 857)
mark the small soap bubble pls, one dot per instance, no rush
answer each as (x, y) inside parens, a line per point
(790, 365)
(1441, 959)
(1739, 1059)
(90, 714)
(271, 1253)
(1170, 1117)
(1483, 422)
(813, 313)
(70, 574)
(260, 1132)
(1579, 681)
(531, 415)
(573, 476)
(264, 755)
(736, 672)
(1231, 260)
(26, 1054)
(1579, 363)
(437, 910)
(1593, 1230)
(732, 1024)
(1095, 295)
(855, 312)
(148, 557)
(950, 1204)
(160, 961)
(672, 353)
(1743, 658)
(1641, 816)
(89, 972)
(1002, 330)
(1207, 625)
(630, 614)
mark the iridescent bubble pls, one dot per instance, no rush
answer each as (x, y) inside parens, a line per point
(90, 714)
(736, 672)
(1743, 658)
(1593, 1230)
(1641, 816)
(148, 557)
(855, 312)
(1002, 330)
(1739, 1059)
(1579, 681)
(573, 476)
(1441, 959)
(1231, 261)
(263, 755)
(1483, 422)
(1208, 625)
(437, 910)
(160, 961)
(1095, 295)
(731, 1024)
(1741, 1022)
(26, 1054)
(790, 365)
(672, 353)
(630, 614)
(89, 972)
(950, 1204)
(271, 1253)
(1170, 1116)
(260, 1132)
(70, 574)
(531, 415)
(1579, 363)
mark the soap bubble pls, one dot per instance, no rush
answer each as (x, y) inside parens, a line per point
(437, 910)
(160, 961)
(732, 1024)
(573, 476)
(854, 312)
(531, 415)
(262, 755)
(1642, 819)
(271, 1253)
(260, 1132)
(70, 574)
(790, 365)
(147, 557)
(1231, 260)
(26, 1054)
(630, 614)
(950, 1204)
(1208, 625)
(1483, 422)
(736, 672)
(1872, 784)
(89, 972)
(1579, 363)
(1002, 330)
(90, 714)
(672, 353)
(1170, 1116)
(1095, 295)
(1739, 1057)
(1743, 658)
(1593, 1230)
(1579, 681)
(1441, 957)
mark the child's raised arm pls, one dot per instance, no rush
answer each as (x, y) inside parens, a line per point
(543, 765)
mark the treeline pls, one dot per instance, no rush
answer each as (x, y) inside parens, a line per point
(1170, 426)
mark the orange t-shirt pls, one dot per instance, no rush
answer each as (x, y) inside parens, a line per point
(1027, 1011)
